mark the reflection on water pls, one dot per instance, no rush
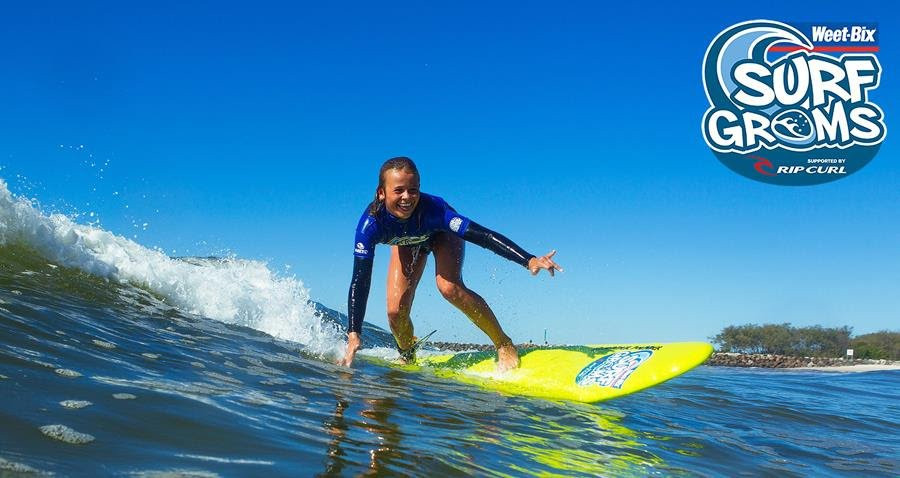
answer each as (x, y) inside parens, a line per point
(336, 426)
(509, 440)
(383, 444)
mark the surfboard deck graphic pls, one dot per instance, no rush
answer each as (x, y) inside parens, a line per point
(589, 374)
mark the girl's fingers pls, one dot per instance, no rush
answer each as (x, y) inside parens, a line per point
(546, 262)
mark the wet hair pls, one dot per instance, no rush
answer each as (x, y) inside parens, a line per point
(401, 163)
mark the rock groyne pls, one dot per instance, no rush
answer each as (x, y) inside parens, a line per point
(784, 361)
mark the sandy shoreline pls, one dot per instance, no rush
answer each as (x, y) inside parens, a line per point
(863, 367)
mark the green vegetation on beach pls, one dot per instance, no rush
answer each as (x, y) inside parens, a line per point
(878, 345)
(812, 341)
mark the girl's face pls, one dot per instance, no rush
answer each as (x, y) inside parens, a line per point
(400, 192)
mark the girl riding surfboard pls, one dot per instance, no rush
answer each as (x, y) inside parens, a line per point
(416, 224)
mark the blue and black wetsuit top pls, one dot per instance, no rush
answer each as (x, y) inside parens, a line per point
(432, 216)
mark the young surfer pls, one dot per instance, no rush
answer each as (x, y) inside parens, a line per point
(416, 224)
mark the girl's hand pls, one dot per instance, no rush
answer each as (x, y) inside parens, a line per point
(535, 264)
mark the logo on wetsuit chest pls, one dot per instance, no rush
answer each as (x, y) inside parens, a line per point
(407, 241)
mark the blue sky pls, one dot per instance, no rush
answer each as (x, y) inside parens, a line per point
(259, 130)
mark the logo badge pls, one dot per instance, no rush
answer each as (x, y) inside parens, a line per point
(613, 369)
(790, 104)
(455, 223)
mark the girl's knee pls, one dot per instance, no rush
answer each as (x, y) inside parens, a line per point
(451, 290)
(393, 313)
(398, 312)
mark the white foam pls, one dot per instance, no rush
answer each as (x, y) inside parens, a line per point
(234, 291)
(13, 467)
(75, 404)
(238, 461)
(390, 354)
(175, 473)
(104, 344)
(66, 434)
(67, 373)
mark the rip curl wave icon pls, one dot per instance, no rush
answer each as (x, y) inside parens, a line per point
(793, 126)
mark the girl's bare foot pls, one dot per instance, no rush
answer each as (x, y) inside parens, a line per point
(507, 357)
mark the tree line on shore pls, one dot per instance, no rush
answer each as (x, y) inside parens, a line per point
(812, 341)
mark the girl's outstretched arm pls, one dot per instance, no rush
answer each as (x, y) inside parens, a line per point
(505, 247)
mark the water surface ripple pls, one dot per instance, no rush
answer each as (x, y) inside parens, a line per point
(159, 390)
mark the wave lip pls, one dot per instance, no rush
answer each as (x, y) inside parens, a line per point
(234, 291)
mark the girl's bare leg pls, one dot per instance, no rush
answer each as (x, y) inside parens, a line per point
(449, 252)
(405, 270)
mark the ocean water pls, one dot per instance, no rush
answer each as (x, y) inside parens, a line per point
(118, 360)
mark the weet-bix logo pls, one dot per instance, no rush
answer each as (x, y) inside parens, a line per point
(846, 34)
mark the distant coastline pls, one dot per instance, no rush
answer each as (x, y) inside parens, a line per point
(722, 359)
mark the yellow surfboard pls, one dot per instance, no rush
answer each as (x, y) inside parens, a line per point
(578, 373)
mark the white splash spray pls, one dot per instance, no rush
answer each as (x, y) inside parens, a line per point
(233, 291)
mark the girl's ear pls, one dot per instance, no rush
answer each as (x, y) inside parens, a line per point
(379, 193)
